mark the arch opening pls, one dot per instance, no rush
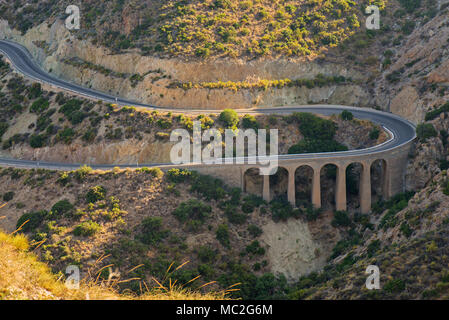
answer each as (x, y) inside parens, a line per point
(328, 185)
(253, 182)
(303, 185)
(353, 179)
(279, 184)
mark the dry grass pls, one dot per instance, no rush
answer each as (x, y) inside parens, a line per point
(23, 277)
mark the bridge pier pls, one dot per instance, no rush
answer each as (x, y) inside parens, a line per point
(266, 188)
(316, 188)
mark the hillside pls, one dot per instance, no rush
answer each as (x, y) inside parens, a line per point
(405, 237)
(145, 220)
(39, 123)
(266, 54)
(23, 277)
(203, 28)
(221, 55)
(88, 218)
(220, 28)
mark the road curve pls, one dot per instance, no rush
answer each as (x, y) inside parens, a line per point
(401, 131)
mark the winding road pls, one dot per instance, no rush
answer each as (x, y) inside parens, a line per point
(401, 131)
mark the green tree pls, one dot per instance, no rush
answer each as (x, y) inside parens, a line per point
(230, 118)
(347, 115)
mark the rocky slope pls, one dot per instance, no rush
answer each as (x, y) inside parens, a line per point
(391, 68)
(136, 218)
(94, 132)
(406, 238)
(61, 50)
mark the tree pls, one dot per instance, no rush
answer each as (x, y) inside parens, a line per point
(230, 118)
(347, 115)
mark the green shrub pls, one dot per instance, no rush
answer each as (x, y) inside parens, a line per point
(66, 135)
(179, 175)
(314, 127)
(248, 207)
(8, 196)
(35, 220)
(425, 131)
(254, 201)
(347, 115)
(406, 230)
(155, 172)
(310, 213)
(435, 113)
(373, 247)
(394, 205)
(254, 231)
(249, 122)
(202, 52)
(86, 229)
(255, 248)
(281, 209)
(235, 194)
(345, 244)
(89, 135)
(316, 146)
(95, 194)
(374, 134)
(410, 5)
(192, 210)
(230, 118)
(62, 207)
(341, 219)
(408, 27)
(71, 109)
(152, 231)
(63, 178)
(37, 141)
(233, 214)
(3, 128)
(206, 254)
(444, 164)
(209, 187)
(35, 91)
(394, 286)
(81, 173)
(40, 105)
(206, 122)
(164, 123)
(222, 235)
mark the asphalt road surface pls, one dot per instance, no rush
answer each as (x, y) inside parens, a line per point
(401, 131)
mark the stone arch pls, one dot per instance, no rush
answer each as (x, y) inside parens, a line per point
(328, 185)
(253, 181)
(279, 184)
(303, 184)
(379, 180)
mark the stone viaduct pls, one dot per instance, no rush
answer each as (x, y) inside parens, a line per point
(393, 175)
